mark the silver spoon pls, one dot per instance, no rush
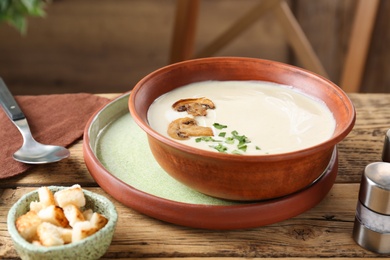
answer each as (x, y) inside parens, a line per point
(31, 152)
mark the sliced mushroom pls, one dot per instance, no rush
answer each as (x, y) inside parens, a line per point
(183, 128)
(194, 106)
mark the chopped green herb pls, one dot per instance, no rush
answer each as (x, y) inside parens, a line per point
(222, 134)
(219, 126)
(229, 140)
(241, 143)
(206, 139)
(242, 147)
(220, 148)
(242, 139)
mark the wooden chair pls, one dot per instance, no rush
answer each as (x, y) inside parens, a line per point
(182, 47)
(359, 43)
(185, 29)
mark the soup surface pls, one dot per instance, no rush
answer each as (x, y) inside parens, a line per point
(272, 118)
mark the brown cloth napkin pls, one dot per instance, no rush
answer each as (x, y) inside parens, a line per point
(53, 119)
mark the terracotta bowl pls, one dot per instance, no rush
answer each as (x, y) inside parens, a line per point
(237, 177)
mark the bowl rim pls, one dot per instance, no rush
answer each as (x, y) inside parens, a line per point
(17, 238)
(327, 144)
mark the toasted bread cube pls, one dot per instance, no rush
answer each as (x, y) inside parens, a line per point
(73, 195)
(98, 220)
(54, 215)
(73, 214)
(49, 234)
(88, 214)
(66, 235)
(36, 206)
(46, 197)
(36, 242)
(27, 225)
(82, 230)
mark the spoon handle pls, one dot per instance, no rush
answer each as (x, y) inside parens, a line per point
(9, 104)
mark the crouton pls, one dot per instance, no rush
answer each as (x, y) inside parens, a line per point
(88, 214)
(82, 230)
(73, 214)
(73, 195)
(66, 235)
(98, 220)
(36, 242)
(49, 234)
(27, 225)
(46, 198)
(36, 206)
(54, 215)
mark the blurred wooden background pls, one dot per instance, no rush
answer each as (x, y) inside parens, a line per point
(102, 46)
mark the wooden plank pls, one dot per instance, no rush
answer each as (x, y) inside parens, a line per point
(365, 142)
(320, 232)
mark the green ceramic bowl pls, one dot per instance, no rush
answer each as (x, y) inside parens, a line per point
(92, 247)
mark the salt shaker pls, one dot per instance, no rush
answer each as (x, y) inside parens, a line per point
(372, 221)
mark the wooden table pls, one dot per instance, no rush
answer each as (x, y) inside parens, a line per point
(324, 231)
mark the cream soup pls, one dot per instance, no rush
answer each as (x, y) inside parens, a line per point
(275, 118)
